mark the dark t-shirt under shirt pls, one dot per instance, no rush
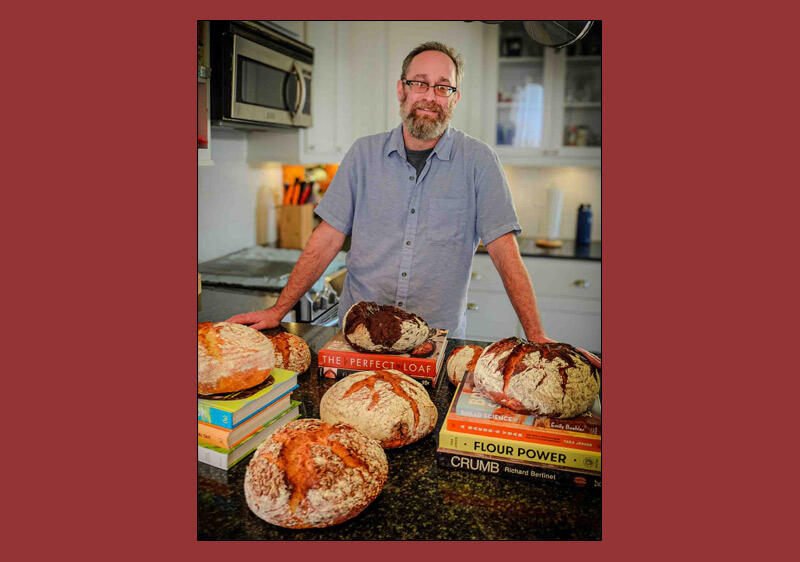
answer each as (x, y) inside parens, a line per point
(417, 158)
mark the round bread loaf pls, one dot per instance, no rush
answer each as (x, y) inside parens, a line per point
(231, 357)
(389, 406)
(291, 352)
(314, 474)
(461, 360)
(551, 379)
(376, 328)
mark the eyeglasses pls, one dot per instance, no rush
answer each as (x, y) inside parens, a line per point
(421, 87)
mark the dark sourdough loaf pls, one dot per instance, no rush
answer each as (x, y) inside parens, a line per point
(389, 406)
(551, 379)
(314, 474)
(376, 328)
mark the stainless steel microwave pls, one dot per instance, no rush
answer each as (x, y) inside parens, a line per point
(259, 77)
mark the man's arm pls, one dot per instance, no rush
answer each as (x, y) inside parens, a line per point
(505, 256)
(319, 252)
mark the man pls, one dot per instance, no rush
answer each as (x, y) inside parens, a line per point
(416, 200)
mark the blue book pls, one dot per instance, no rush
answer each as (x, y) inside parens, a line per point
(238, 407)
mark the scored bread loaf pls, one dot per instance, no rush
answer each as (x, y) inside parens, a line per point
(291, 352)
(461, 360)
(314, 474)
(551, 379)
(387, 405)
(371, 327)
(231, 357)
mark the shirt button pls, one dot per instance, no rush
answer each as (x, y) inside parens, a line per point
(403, 274)
(411, 178)
(408, 242)
(413, 211)
(399, 304)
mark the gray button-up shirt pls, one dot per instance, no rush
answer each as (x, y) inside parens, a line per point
(413, 238)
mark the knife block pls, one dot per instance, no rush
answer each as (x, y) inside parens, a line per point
(296, 224)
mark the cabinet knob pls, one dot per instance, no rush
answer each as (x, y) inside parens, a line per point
(475, 276)
(472, 306)
(338, 149)
(582, 283)
(311, 147)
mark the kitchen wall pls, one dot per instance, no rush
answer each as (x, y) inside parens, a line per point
(529, 189)
(226, 197)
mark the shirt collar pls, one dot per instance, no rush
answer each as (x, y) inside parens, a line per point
(441, 149)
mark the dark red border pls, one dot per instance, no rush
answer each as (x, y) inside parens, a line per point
(137, 153)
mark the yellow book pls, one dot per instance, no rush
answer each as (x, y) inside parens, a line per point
(519, 450)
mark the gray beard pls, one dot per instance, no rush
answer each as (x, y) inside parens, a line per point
(422, 128)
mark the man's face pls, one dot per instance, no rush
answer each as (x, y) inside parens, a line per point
(425, 116)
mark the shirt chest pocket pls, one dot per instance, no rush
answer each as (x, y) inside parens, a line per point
(445, 218)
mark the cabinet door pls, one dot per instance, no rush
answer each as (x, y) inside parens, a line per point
(326, 139)
(572, 321)
(490, 316)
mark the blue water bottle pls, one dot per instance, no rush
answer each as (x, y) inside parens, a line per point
(583, 234)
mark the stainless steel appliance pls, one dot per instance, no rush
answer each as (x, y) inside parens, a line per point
(259, 77)
(251, 279)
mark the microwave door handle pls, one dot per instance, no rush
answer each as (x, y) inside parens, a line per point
(301, 87)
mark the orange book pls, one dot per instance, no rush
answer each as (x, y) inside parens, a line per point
(337, 359)
(518, 432)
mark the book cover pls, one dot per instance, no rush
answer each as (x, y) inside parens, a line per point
(468, 403)
(228, 438)
(237, 407)
(337, 359)
(519, 450)
(226, 458)
(472, 413)
(517, 470)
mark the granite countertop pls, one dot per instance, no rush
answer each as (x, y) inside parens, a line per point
(420, 501)
(568, 250)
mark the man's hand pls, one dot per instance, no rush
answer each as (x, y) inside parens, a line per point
(591, 357)
(260, 319)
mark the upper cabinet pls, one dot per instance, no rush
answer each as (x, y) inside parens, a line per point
(545, 103)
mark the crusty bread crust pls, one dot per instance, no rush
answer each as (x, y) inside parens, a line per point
(375, 328)
(551, 379)
(387, 405)
(231, 357)
(461, 360)
(291, 352)
(314, 474)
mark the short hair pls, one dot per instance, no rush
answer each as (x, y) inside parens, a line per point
(458, 61)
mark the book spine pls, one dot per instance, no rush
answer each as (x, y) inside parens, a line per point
(518, 450)
(418, 368)
(222, 418)
(525, 434)
(509, 469)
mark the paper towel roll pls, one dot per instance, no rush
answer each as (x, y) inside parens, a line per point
(555, 201)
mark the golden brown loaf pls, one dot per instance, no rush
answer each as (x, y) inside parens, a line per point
(387, 405)
(551, 379)
(376, 328)
(314, 474)
(291, 352)
(461, 360)
(231, 357)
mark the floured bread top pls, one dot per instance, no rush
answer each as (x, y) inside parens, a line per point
(369, 326)
(314, 474)
(231, 357)
(291, 352)
(551, 379)
(387, 405)
(462, 359)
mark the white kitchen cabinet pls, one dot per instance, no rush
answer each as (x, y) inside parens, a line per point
(543, 101)
(567, 293)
